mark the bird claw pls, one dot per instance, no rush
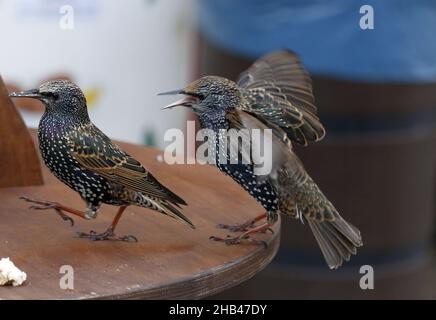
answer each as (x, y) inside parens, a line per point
(233, 228)
(107, 235)
(243, 227)
(237, 240)
(41, 205)
(128, 238)
(238, 227)
(46, 205)
(64, 216)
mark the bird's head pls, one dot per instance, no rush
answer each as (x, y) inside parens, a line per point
(208, 95)
(59, 97)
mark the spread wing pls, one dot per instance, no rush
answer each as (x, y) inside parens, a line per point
(278, 89)
(279, 152)
(97, 153)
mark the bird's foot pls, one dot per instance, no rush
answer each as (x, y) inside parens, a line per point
(107, 235)
(246, 226)
(238, 227)
(46, 205)
(245, 236)
(243, 227)
(237, 240)
(40, 204)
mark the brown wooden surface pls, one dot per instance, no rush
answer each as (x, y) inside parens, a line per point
(169, 261)
(19, 165)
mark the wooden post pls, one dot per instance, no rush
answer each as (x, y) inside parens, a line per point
(19, 161)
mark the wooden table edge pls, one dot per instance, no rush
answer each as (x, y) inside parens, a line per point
(211, 282)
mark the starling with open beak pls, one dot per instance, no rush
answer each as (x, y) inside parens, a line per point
(86, 160)
(275, 93)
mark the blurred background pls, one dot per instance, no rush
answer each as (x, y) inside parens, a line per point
(121, 55)
(373, 65)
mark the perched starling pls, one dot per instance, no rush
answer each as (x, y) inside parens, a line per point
(274, 93)
(86, 160)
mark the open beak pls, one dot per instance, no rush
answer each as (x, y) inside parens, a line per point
(186, 101)
(33, 93)
(171, 93)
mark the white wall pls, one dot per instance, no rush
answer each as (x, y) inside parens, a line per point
(126, 51)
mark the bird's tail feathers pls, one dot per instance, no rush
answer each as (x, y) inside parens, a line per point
(171, 211)
(165, 207)
(337, 238)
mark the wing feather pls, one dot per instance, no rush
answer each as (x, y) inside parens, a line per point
(278, 89)
(97, 153)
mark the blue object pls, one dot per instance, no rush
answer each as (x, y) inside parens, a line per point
(328, 37)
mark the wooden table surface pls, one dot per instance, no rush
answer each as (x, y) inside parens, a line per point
(169, 261)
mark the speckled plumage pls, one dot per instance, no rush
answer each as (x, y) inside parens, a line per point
(86, 160)
(276, 93)
(242, 173)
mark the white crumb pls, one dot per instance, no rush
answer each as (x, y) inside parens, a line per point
(159, 158)
(10, 274)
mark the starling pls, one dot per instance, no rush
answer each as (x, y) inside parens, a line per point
(274, 93)
(86, 160)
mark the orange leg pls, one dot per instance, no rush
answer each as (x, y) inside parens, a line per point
(250, 224)
(246, 235)
(109, 233)
(59, 208)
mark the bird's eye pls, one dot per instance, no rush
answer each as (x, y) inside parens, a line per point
(198, 95)
(52, 95)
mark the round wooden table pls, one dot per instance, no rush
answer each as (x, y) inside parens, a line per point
(170, 260)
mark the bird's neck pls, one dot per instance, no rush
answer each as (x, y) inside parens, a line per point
(214, 120)
(60, 122)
